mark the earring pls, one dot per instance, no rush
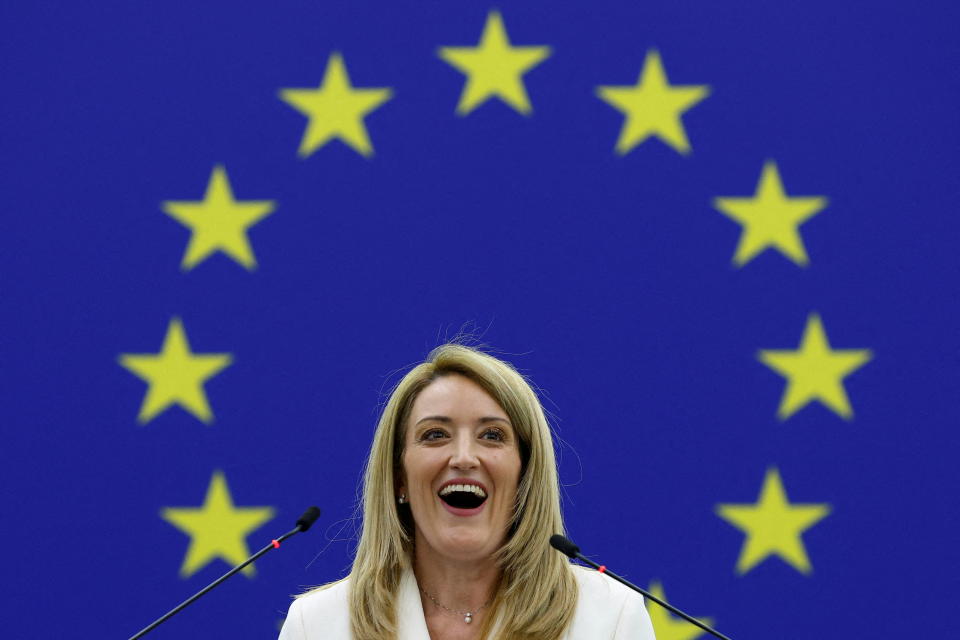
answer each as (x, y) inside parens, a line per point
(402, 499)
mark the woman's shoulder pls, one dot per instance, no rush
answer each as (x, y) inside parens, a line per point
(594, 584)
(323, 612)
(608, 609)
(326, 593)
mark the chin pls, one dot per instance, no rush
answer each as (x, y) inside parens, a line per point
(463, 543)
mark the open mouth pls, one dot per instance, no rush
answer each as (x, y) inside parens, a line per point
(463, 496)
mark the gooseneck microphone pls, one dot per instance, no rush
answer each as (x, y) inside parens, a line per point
(304, 522)
(567, 548)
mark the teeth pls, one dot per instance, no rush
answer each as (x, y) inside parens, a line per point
(469, 488)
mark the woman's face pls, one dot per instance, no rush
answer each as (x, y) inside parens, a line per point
(461, 468)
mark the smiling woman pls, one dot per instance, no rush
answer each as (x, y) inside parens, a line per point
(460, 499)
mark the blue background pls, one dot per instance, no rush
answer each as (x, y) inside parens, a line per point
(607, 279)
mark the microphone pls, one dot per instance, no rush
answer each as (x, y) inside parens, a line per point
(569, 549)
(304, 522)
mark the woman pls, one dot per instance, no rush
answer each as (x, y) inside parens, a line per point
(460, 500)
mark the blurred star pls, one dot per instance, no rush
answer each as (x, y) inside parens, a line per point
(217, 529)
(815, 371)
(653, 107)
(773, 526)
(336, 109)
(494, 68)
(218, 222)
(669, 627)
(770, 218)
(175, 375)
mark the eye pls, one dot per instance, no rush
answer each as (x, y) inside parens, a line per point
(432, 434)
(495, 435)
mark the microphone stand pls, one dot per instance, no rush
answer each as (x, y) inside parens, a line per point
(308, 518)
(568, 548)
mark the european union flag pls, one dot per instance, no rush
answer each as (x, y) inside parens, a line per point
(720, 237)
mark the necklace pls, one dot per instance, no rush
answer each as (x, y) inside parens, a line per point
(467, 615)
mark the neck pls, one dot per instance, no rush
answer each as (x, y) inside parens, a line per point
(457, 584)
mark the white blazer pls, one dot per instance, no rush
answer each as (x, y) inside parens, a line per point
(605, 610)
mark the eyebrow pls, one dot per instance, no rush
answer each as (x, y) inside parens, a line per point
(448, 420)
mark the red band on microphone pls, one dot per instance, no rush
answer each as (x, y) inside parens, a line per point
(276, 545)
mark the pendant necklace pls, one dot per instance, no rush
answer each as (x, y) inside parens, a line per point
(467, 615)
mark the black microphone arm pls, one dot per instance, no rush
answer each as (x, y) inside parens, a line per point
(566, 547)
(303, 523)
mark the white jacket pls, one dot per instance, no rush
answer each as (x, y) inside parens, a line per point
(605, 610)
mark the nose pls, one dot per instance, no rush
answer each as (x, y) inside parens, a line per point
(464, 454)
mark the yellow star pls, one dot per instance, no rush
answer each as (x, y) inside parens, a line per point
(336, 109)
(668, 627)
(770, 218)
(814, 371)
(653, 107)
(773, 526)
(217, 529)
(494, 68)
(218, 222)
(175, 375)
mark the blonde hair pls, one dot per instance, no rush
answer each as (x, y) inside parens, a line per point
(537, 592)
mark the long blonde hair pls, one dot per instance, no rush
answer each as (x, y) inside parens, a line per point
(537, 592)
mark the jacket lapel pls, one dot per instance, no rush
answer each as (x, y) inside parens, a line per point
(410, 621)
